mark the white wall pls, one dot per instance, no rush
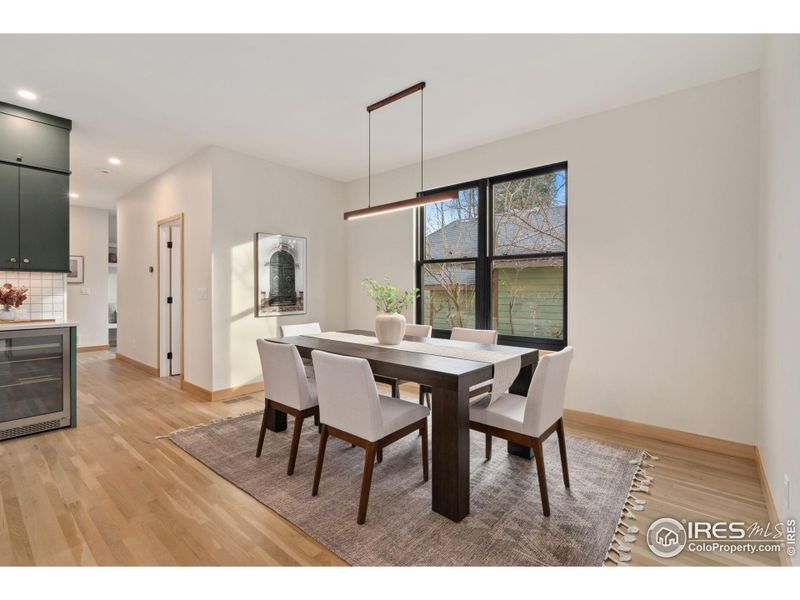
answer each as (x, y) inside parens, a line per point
(779, 284)
(185, 188)
(252, 195)
(88, 237)
(662, 252)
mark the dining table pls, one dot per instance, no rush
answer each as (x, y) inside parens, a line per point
(450, 380)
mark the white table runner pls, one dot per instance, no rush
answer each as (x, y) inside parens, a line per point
(506, 366)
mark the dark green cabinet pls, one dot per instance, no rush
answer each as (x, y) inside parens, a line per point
(9, 217)
(33, 143)
(43, 220)
(34, 190)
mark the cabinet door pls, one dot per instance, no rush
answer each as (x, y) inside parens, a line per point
(43, 221)
(32, 143)
(9, 217)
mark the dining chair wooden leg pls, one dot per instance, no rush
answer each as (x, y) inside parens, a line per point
(366, 484)
(298, 427)
(379, 454)
(395, 389)
(562, 446)
(537, 451)
(263, 431)
(424, 432)
(323, 442)
(421, 395)
(488, 446)
(316, 419)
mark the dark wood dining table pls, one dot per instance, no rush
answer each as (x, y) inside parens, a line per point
(450, 380)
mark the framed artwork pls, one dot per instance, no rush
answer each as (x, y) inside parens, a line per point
(281, 270)
(75, 274)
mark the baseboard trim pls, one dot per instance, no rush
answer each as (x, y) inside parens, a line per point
(224, 394)
(139, 365)
(201, 392)
(93, 348)
(239, 390)
(769, 501)
(684, 438)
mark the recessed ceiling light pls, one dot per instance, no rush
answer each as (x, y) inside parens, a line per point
(114, 161)
(26, 94)
(74, 195)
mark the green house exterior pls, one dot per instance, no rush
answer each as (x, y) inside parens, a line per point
(527, 301)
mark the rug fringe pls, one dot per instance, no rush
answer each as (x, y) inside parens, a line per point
(618, 551)
(212, 422)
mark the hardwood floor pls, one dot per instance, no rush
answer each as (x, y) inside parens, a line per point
(110, 493)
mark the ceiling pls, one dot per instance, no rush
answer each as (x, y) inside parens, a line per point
(300, 100)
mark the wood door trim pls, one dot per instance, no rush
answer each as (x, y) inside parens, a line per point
(181, 220)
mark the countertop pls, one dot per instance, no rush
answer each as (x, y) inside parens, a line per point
(15, 326)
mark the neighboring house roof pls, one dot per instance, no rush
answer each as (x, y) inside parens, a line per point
(528, 231)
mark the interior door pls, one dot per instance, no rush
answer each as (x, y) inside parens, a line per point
(175, 292)
(9, 217)
(43, 220)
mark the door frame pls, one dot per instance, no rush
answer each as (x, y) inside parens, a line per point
(181, 223)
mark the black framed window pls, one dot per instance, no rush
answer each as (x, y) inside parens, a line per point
(495, 257)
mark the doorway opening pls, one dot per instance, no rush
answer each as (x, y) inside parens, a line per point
(170, 296)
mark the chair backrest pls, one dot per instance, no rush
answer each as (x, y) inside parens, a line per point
(479, 336)
(545, 404)
(300, 329)
(284, 376)
(419, 330)
(348, 398)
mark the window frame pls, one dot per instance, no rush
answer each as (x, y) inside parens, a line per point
(486, 257)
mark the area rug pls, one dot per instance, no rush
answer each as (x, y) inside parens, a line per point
(505, 525)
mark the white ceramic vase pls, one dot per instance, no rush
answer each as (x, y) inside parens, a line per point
(390, 328)
(10, 314)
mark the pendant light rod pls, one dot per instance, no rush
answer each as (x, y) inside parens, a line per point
(419, 199)
(381, 209)
(398, 96)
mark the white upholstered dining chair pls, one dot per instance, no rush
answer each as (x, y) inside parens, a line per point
(464, 334)
(477, 336)
(419, 330)
(286, 388)
(352, 410)
(301, 329)
(528, 421)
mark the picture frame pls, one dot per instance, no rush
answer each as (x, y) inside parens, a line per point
(75, 274)
(281, 275)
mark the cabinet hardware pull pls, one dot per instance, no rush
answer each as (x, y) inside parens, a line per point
(13, 259)
(26, 260)
(19, 157)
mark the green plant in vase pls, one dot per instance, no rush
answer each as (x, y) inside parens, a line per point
(390, 324)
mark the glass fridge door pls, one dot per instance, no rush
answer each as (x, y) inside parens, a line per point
(33, 378)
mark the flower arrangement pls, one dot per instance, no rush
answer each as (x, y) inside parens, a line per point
(12, 296)
(387, 297)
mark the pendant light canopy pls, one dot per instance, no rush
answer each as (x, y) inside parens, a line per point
(419, 199)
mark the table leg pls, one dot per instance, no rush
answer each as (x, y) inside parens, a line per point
(276, 420)
(450, 484)
(520, 386)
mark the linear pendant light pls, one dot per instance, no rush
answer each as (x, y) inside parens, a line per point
(419, 199)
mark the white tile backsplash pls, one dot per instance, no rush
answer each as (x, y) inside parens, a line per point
(47, 295)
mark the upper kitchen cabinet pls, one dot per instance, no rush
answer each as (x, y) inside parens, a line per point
(43, 221)
(34, 139)
(34, 190)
